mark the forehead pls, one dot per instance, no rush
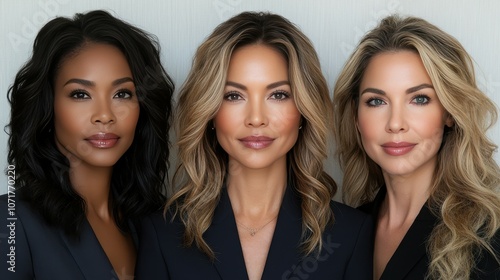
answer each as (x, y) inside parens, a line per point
(94, 61)
(400, 67)
(257, 61)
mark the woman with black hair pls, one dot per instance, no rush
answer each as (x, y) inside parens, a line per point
(88, 147)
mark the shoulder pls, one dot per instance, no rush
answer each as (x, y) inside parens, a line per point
(487, 267)
(15, 255)
(350, 224)
(366, 208)
(164, 228)
(346, 214)
(13, 205)
(349, 242)
(163, 254)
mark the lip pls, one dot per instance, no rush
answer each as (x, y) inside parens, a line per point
(103, 140)
(256, 142)
(397, 148)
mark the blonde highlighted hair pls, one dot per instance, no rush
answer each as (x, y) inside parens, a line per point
(203, 163)
(465, 193)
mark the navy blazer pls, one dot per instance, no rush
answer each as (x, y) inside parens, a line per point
(411, 259)
(346, 253)
(45, 252)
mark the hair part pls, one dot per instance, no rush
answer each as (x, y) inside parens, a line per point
(137, 183)
(464, 195)
(203, 163)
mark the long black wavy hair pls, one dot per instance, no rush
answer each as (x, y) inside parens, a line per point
(138, 180)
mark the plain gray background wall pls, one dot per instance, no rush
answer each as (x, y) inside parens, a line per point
(334, 26)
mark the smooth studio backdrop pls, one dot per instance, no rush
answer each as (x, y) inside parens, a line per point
(334, 26)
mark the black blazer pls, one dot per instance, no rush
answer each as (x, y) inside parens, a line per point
(411, 259)
(346, 253)
(45, 252)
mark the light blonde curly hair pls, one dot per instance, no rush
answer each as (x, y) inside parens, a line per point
(465, 192)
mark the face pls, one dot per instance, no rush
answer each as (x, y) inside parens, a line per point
(400, 118)
(258, 122)
(95, 106)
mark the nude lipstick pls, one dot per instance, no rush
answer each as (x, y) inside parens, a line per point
(103, 140)
(256, 142)
(397, 148)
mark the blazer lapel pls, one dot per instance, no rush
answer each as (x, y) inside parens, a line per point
(284, 252)
(222, 236)
(89, 255)
(413, 246)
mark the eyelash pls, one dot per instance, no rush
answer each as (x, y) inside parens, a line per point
(370, 100)
(285, 94)
(74, 94)
(422, 96)
(126, 91)
(232, 94)
(428, 99)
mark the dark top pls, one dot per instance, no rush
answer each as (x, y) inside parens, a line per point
(411, 259)
(346, 253)
(33, 249)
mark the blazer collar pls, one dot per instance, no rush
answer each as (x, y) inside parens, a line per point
(284, 254)
(222, 236)
(88, 254)
(413, 246)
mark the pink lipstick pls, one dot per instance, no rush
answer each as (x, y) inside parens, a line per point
(256, 142)
(103, 140)
(398, 149)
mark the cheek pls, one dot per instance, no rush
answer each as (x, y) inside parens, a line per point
(68, 122)
(286, 118)
(430, 135)
(130, 116)
(128, 113)
(367, 126)
(431, 128)
(226, 121)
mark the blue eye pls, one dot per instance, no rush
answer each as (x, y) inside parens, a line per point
(374, 102)
(421, 100)
(280, 95)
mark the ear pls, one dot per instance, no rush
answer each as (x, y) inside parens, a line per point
(449, 121)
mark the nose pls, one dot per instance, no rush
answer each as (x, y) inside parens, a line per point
(103, 112)
(256, 114)
(397, 120)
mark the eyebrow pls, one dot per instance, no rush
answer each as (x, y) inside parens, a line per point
(408, 91)
(419, 87)
(88, 83)
(270, 86)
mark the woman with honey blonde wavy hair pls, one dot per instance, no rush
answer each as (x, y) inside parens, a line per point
(254, 201)
(410, 125)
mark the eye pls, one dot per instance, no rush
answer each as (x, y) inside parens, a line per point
(123, 94)
(232, 96)
(79, 94)
(280, 95)
(421, 100)
(375, 102)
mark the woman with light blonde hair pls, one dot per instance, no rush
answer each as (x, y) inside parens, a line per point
(410, 126)
(254, 201)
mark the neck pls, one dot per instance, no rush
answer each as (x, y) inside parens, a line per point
(406, 195)
(256, 194)
(93, 185)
